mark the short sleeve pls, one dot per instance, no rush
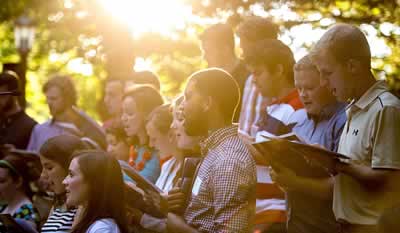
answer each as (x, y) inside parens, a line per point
(386, 144)
(29, 213)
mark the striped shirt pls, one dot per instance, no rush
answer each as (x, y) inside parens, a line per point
(59, 221)
(279, 118)
(223, 194)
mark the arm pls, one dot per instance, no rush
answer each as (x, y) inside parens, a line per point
(176, 224)
(321, 188)
(233, 185)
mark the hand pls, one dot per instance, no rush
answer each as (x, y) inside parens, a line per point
(282, 175)
(134, 216)
(176, 224)
(176, 200)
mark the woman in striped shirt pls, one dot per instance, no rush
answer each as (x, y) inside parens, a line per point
(55, 156)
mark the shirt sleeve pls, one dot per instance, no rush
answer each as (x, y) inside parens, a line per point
(155, 224)
(386, 139)
(32, 145)
(103, 227)
(234, 184)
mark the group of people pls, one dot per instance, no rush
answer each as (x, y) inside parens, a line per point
(329, 99)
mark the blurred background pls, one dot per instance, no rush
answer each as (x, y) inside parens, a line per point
(96, 39)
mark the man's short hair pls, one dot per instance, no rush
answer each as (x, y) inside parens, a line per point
(145, 77)
(65, 85)
(305, 63)
(221, 87)
(344, 42)
(145, 96)
(11, 81)
(257, 28)
(220, 34)
(270, 53)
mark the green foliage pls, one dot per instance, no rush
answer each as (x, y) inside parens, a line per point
(85, 34)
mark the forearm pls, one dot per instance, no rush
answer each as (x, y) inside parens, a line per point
(370, 178)
(321, 188)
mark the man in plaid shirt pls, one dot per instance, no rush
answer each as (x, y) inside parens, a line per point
(223, 193)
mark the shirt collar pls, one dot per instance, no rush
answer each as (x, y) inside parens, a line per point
(217, 137)
(328, 111)
(371, 94)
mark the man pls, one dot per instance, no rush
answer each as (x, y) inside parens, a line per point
(15, 124)
(367, 185)
(309, 194)
(218, 45)
(223, 194)
(271, 64)
(66, 118)
(251, 31)
(113, 96)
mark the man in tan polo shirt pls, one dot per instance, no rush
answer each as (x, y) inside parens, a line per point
(371, 137)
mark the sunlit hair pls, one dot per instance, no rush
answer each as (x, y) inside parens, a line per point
(146, 97)
(65, 85)
(145, 77)
(220, 35)
(102, 173)
(344, 42)
(270, 53)
(161, 118)
(255, 28)
(305, 63)
(60, 149)
(221, 87)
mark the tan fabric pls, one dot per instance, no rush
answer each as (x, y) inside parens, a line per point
(371, 137)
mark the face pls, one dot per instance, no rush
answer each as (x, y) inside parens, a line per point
(53, 174)
(55, 101)
(132, 119)
(194, 111)
(8, 187)
(6, 101)
(335, 77)
(75, 185)
(183, 140)
(158, 140)
(268, 83)
(312, 94)
(117, 148)
(113, 97)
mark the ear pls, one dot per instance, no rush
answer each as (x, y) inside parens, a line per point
(206, 105)
(353, 66)
(279, 70)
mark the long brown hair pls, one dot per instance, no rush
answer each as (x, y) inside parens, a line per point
(103, 175)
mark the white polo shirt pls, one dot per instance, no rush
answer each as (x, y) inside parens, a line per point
(370, 137)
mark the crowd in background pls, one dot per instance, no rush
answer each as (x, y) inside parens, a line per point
(70, 174)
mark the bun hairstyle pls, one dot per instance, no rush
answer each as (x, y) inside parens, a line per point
(21, 164)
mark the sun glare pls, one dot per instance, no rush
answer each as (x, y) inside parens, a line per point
(141, 16)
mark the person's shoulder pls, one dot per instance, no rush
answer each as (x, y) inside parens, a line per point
(388, 99)
(105, 225)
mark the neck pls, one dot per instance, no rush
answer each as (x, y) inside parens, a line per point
(142, 136)
(216, 121)
(368, 80)
(15, 201)
(66, 116)
(230, 63)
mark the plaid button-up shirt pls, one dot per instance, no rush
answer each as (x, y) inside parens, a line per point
(223, 194)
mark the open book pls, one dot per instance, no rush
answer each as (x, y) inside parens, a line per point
(144, 195)
(290, 151)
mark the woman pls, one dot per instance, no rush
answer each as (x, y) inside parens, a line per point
(17, 170)
(162, 138)
(55, 156)
(95, 185)
(138, 102)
